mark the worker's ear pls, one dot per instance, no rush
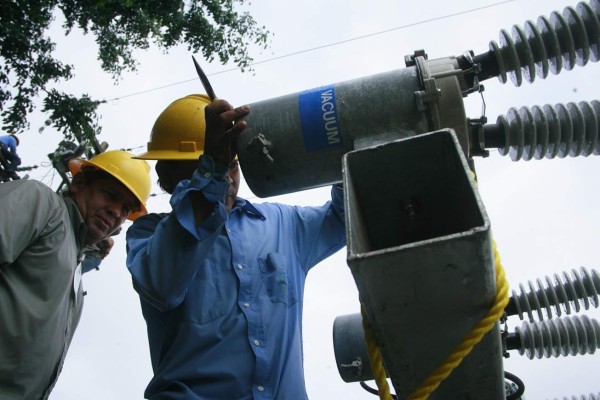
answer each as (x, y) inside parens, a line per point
(77, 183)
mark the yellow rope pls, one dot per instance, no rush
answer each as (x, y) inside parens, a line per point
(484, 326)
(460, 352)
(375, 359)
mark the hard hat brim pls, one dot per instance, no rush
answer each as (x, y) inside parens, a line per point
(169, 155)
(76, 165)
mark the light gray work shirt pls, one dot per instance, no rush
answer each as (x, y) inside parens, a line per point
(41, 298)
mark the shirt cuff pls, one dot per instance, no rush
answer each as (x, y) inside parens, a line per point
(210, 179)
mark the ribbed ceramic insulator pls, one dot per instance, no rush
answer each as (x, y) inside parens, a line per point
(572, 293)
(591, 396)
(559, 337)
(561, 41)
(550, 131)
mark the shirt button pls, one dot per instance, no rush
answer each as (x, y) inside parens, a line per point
(246, 305)
(256, 342)
(240, 266)
(261, 389)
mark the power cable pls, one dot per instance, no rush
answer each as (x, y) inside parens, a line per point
(295, 53)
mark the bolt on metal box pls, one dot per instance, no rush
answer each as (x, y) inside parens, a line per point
(419, 248)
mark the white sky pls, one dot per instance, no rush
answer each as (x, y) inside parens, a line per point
(543, 213)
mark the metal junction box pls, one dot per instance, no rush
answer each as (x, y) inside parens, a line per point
(419, 248)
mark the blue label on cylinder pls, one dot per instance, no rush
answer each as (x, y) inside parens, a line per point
(319, 119)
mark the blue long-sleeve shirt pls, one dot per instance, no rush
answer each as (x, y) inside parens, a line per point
(223, 301)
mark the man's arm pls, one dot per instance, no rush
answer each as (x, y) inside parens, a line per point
(319, 231)
(222, 130)
(25, 211)
(162, 257)
(163, 253)
(94, 256)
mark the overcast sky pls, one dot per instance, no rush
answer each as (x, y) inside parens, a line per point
(544, 214)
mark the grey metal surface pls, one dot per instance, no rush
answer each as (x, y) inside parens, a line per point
(419, 249)
(444, 80)
(350, 349)
(368, 111)
(379, 106)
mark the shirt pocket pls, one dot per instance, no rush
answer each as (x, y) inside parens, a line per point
(280, 288)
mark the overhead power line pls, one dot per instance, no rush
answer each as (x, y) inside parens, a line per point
(295, 53)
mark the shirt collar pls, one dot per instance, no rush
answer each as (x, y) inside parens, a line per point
(247, 207)
(77, 222)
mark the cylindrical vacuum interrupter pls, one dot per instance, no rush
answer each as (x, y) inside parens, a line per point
(297, 141)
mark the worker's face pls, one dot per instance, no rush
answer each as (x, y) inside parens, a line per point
(234, 179)
(171, 172)
(104, 204)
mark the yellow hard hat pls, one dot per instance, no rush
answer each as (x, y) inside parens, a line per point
(178, 133)
(134, 174)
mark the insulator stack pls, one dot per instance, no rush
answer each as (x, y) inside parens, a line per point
(558, 337)
(570, 293)
(548, 131)
(591, 396)
(561, 41)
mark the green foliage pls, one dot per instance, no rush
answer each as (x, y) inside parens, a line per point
(28, 68)
(74, 117)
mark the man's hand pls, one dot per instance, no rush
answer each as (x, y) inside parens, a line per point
(105, 246)
(222, 130)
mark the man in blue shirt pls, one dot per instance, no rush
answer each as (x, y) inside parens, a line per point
(8, 155)
(221, 280)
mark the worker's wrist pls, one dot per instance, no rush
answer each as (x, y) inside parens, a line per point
(208, 168)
